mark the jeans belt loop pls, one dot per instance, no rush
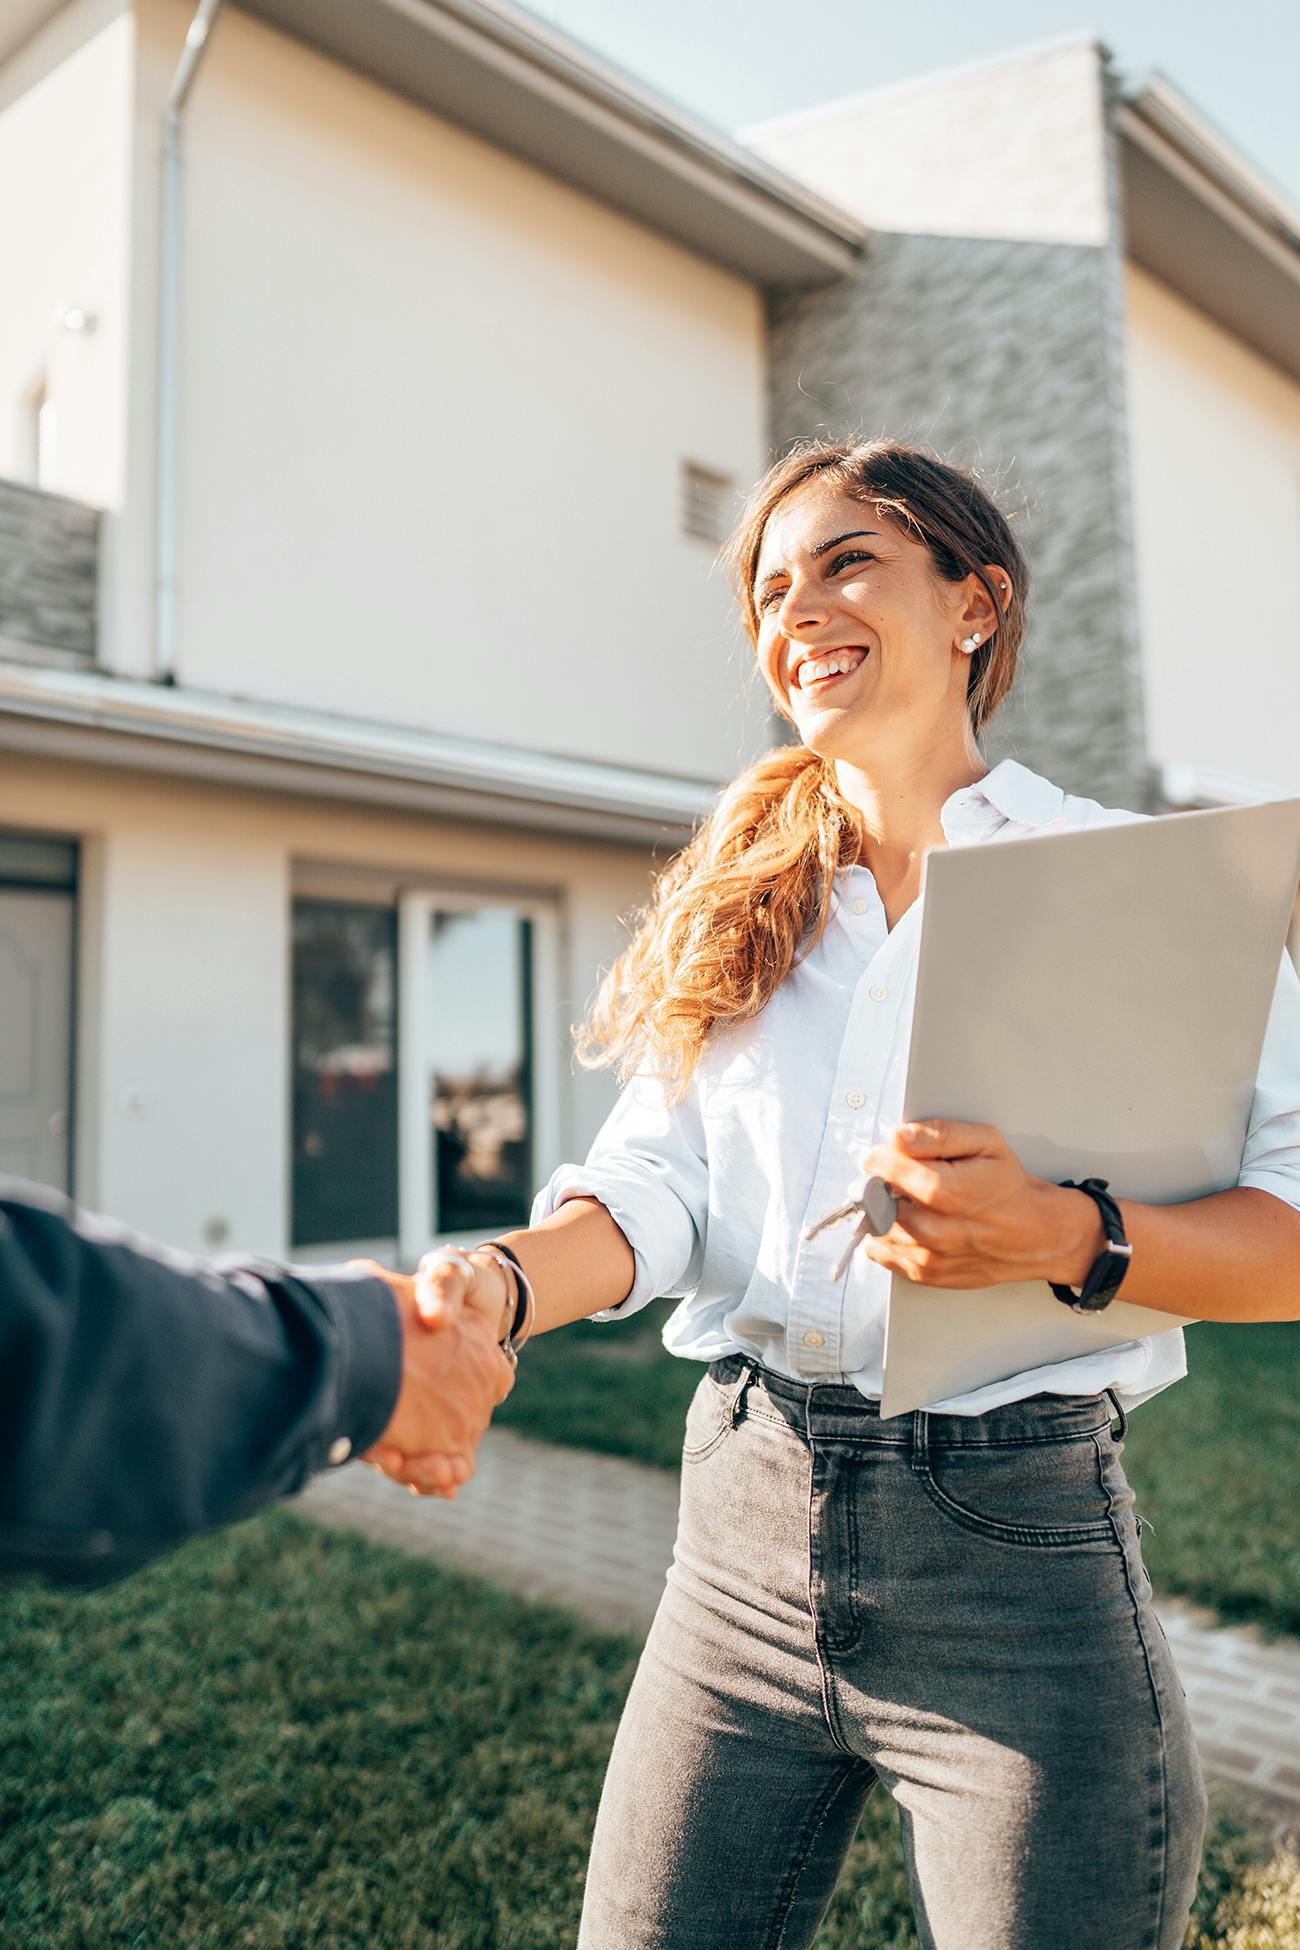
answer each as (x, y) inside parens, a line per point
(738, 1399)
(920, 1440)
(1120, 1416)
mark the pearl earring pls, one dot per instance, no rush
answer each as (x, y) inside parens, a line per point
(969, 645)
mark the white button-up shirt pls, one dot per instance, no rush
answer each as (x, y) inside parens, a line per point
(713, 1194)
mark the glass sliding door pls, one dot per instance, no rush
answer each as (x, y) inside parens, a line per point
(478, 1065)
(481, 1063)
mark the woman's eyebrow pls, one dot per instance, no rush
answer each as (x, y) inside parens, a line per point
(822, 548)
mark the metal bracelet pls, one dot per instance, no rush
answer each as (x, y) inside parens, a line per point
(525, 1299)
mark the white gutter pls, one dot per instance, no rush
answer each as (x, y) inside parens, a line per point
(195, 735)
(169, 276)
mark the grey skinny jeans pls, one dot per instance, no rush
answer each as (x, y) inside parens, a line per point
(955, 1606)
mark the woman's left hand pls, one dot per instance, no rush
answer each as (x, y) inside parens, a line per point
(970, 1215)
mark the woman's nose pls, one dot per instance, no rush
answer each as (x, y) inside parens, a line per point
(802, 609)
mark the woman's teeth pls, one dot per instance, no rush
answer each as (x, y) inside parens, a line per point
(839, 663)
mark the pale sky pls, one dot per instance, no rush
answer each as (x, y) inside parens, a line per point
(738, 61)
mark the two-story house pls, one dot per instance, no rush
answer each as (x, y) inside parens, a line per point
(376, 382)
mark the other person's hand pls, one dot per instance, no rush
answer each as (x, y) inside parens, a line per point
(452, 1293)
(447, 1287)
(453, 1375)
(970, 1215)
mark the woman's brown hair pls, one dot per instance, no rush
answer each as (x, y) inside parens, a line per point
(731, 914)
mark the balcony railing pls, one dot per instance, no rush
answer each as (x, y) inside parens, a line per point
(49, 563)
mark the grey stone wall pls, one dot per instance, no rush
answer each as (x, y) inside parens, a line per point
(49, 561)
(1007, 354)
(997, 355)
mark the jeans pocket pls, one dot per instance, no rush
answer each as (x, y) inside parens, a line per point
(708, 1420)
(1050, 1494)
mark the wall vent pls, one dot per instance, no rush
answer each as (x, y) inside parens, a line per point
(708, 503)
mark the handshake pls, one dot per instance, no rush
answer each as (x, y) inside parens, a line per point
(457, 1366)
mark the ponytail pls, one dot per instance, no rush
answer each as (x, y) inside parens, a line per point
(728, 918)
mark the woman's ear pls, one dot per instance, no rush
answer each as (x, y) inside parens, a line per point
(977, 612)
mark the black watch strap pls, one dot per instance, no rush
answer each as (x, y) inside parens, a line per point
(1111, 1264)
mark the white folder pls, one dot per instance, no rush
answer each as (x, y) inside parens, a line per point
(1101, 996)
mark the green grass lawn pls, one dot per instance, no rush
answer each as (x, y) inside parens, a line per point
(285, 1738)
(1215, 1460)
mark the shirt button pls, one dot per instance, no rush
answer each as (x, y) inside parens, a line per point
(340, 1449)
(855, 1100)
(859, 907)
(878, 993)
(813, 1339)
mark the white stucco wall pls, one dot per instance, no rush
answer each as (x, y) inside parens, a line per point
(1215, 438)
(183, 1058)
(1009, 147)
(65, 130)
(434, 410)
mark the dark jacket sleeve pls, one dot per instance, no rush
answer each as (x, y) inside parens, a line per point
(145, 1396)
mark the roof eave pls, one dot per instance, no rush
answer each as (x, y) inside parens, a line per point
(1202, 221)
(193, 735)
(505, 76)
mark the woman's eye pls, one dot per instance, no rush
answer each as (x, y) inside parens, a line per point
(770, 596)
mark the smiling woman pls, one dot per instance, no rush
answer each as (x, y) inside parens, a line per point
(900, 571)
(952, 1604)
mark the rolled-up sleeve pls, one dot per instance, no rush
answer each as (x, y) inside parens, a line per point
(648, 1168)
(1271, 1155)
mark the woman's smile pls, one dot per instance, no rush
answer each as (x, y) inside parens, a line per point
(819, 671)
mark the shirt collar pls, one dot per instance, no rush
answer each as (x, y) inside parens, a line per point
(1009, 792)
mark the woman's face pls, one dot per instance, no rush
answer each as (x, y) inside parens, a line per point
(858, 635)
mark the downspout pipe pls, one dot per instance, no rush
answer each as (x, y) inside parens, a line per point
(169, 283)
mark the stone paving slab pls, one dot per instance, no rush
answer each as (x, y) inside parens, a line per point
(1243, 1693)
(595, 1534)
(592, 1533)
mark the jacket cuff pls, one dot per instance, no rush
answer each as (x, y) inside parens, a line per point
(370, 1357)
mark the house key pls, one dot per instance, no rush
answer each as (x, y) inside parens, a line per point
(876, 1208)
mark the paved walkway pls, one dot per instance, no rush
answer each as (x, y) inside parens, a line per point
(595, 1533)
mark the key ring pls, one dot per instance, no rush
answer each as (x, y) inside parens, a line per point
(876, 1206)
